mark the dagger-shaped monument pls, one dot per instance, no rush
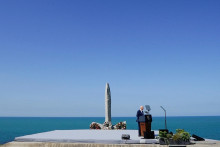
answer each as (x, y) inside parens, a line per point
(107, 125)
(108, 105)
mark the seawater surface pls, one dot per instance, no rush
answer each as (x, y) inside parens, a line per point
(11, 127)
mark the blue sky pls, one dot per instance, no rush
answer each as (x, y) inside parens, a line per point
(56, 57)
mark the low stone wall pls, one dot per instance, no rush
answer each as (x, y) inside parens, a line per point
(47, 144)
(50, 144)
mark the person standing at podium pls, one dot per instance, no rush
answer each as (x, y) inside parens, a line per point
(139, 113)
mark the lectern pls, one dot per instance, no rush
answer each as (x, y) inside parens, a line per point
(145, 126)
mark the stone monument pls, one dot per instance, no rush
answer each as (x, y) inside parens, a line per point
(107, 104)
(107, 125)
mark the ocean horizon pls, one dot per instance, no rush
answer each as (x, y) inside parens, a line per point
(11, 127)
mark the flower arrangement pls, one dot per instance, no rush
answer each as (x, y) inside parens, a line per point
(120, 125)
(95, 125)
(108, 126)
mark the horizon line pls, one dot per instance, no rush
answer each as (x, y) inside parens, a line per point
(114, 116)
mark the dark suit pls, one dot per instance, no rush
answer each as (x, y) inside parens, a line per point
(139, 113)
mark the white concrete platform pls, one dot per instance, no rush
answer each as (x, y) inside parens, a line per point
(88, 136)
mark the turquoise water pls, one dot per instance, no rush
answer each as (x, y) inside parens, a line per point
(11, 127)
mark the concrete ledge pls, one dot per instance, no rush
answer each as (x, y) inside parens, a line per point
(50, 144)
(56, 144)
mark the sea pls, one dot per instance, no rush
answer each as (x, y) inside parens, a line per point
(11, 127)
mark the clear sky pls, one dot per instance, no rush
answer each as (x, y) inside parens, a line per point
(57, 55)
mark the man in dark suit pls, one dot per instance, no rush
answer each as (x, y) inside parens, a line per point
(139, 113)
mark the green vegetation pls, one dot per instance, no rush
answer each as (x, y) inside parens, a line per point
(164, 136)
(181, 135)
(177, 138)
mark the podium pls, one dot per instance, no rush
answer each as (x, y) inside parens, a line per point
(145, 126)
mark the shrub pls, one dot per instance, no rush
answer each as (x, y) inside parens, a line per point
(179, 137)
